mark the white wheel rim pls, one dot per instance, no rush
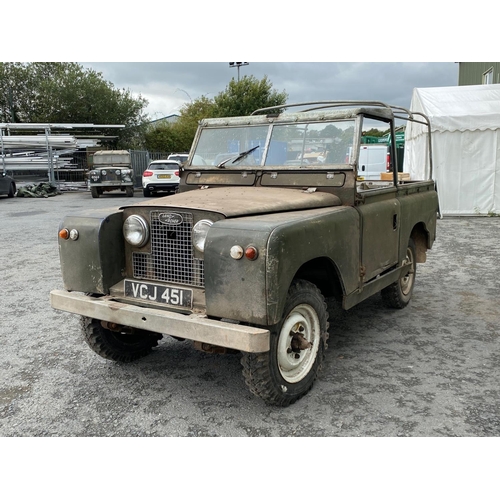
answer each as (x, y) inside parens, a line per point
(407, 280)
(295, 364)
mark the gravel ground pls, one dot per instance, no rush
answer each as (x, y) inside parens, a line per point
(428, 370)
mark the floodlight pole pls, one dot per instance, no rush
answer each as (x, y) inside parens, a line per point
(237, 65)
(182, 90)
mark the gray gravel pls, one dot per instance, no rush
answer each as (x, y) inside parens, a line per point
(428, 370)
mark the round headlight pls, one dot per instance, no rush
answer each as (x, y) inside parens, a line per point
(103, 172)
(118, 172)
(200, 231)
(136, 231)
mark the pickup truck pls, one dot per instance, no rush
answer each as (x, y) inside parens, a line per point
(244, 257)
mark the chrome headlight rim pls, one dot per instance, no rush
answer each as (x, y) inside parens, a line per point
(136, 230)
(200, 232)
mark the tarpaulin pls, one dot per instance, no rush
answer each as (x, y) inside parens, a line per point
(465, 131)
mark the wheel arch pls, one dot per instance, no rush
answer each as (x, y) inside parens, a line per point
(421, 238)
(323, 273)
(320, 271)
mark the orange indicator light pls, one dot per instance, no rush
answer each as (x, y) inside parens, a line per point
(64, 234)
(251, 253)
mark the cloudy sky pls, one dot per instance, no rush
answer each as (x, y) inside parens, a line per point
(169, 85)
(173, 41)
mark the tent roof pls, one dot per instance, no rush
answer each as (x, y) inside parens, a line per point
(468, 107)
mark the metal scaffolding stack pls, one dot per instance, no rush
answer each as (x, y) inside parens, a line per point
(42, 152)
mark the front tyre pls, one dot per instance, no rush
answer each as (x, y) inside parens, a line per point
(117, 346)
(94, 192)
(398, 294)
(288, 370)
(129, 191)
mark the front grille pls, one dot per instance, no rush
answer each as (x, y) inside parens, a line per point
(110, 176)
(171, 258)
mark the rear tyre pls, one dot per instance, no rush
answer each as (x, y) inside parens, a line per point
(146, 192)
(116, 346)
(398, 294)
(95, 192)
(12, 190)
(288, 370)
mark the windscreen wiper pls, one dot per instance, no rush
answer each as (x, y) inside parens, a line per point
(239, 157)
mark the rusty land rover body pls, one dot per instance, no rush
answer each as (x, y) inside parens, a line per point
(243, 257)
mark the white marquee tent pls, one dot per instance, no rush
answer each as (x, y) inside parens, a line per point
(465, 130)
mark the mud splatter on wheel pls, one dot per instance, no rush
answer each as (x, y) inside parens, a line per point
(398, 294)
(288, 370)
(116, 345)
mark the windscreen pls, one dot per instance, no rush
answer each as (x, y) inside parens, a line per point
(310, 144)
(216, 145)
(297, 144)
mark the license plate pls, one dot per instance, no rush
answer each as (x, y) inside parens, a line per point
(168, 295)
(164, 176)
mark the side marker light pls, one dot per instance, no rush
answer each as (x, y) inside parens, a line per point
(251, 253)
(236, 252)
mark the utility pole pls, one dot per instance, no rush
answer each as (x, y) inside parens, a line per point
(237, 65)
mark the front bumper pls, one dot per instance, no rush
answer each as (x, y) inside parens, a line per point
(194, 326)
(112, 184)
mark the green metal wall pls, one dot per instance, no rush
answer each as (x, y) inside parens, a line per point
(471, 73)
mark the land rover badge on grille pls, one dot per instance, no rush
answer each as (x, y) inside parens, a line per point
(170, 219)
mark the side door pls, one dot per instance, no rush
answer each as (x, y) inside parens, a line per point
(380, 215)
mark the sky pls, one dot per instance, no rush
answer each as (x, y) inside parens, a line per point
(174, 53)
(169, 85)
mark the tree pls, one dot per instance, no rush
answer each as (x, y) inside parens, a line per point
(238, 99)
(53, 92)
(162, 137)
(375, 132)
(178, 136)
(243, 97)
(191, 114)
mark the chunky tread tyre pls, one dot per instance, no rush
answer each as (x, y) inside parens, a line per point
(129, 191)
(94, 192)
(398, 294)
(264, 375)
(114, 345)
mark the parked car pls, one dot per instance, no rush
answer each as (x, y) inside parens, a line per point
(112, 171)
(373, 161)
(180, 157)
(161, 175)
(7, 185)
